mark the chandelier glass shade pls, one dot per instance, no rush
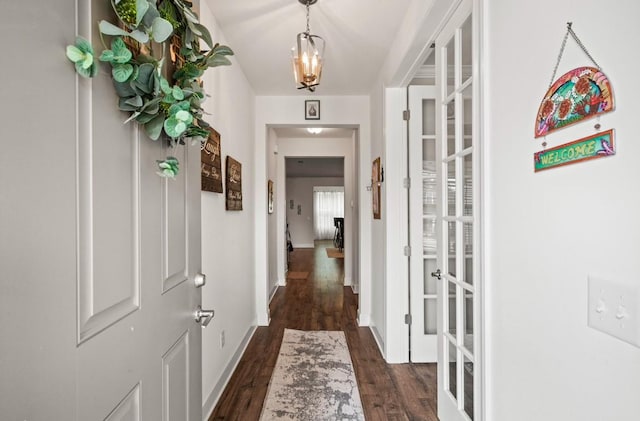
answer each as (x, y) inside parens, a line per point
(307, 56)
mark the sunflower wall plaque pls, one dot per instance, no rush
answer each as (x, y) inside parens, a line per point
(577, 95)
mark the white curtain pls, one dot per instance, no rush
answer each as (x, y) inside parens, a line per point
(327, 204)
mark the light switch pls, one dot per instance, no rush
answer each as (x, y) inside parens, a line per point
(614, 308)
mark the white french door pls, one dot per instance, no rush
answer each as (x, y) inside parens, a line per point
(456, 155)
(423, 219)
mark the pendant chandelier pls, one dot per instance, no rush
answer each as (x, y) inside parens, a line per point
(307, 56)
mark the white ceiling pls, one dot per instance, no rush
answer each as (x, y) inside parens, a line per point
(300, 132)
(358, 35)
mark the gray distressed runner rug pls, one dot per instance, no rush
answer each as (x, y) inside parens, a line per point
(313, 379)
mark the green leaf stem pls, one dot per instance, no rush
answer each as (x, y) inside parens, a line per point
(169, 167)
(82, 56)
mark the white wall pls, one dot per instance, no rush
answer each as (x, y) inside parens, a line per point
(547, 232)
(300, 190)
(344, 111)
(378, 244)
(227, 237)
(355, 204)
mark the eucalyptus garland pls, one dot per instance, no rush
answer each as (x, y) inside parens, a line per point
(159, 106)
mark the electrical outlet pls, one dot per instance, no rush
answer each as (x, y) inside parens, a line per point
(614, 309)
(222, 339)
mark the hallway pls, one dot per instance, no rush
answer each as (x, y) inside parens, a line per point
(321, 302)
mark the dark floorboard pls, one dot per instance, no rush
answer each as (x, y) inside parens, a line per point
(321, 302)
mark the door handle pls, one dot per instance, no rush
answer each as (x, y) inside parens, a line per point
(437, 274)
(203, 317)
(200, 280)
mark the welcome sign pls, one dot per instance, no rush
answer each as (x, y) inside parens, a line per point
(596, 146)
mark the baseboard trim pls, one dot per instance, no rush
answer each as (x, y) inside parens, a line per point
(303, 246)
(214, 396)
(348, 281)
(273, 292)
(379, 340)
(364, 320)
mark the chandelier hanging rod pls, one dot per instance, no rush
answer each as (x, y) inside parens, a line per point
(308, 55)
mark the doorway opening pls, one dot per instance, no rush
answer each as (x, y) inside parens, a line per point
(304, 164)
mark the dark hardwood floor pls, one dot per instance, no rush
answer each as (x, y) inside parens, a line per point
(321, 302)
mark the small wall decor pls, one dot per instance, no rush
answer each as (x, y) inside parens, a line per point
(577, 95)
(270, 196)
(163, 95)
(299, 209)
(595, 146)
(312, 109)
(291, 204)
(211, 163)
(375, 187)
(234, 185)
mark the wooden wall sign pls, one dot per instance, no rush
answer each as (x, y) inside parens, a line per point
(590, 147)
(234, 185)
(270, 196)
(211, 163)
(375, 188)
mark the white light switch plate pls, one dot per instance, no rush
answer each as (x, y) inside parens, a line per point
(614, 309)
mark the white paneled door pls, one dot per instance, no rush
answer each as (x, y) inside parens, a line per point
(138, 252)
(458, 283)
(424, 221)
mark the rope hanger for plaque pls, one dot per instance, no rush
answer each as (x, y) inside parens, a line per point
(577, 95)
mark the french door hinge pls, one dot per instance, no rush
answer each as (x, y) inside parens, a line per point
(407, 251)
(406, 115)
(407, 319)
(406, 183)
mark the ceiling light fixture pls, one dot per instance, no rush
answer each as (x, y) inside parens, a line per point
(307, 56)
(314, 130)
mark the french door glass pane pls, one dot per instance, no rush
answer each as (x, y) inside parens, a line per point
(468, 320)
(429, 153)
(468, 186)
(429, 186)
(430, 316)
(467, 42)
(430, 282)
(468, 387)
(429, 236)
(452, 309)
(450, 58)
(467, 117)
(451, 248)
(451, 128)
(451, 188)
(453, 369)
(428, 117)
(468, 253)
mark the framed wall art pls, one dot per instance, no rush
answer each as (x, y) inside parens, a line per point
(211, 163)
(375, 187)
(270, 196)
(234, 185)
(312, 109)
